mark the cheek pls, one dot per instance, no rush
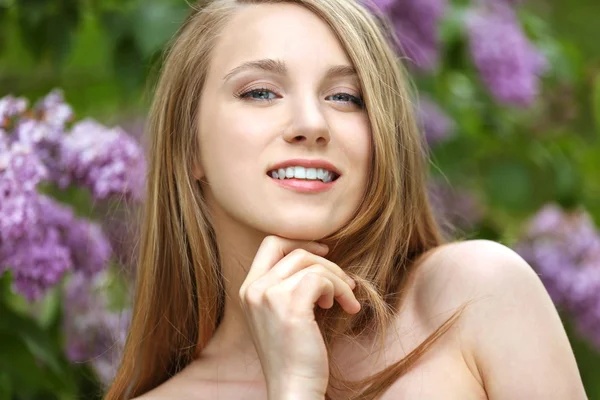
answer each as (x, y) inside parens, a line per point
(356, 141)
(231, 147)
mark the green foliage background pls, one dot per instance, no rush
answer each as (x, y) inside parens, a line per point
(103, 54)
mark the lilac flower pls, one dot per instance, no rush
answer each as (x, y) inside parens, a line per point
(436, 123)
(54, 111)
(417, 27)
(453, 207)
(509, 64)
(43, 130)
(38, 263)
(93, 333)
(379, 5)
(52, 243)
(89, 248)
(20, 172)
(503, 2)
(36, 133)
(564, 247)
(9, 107)
(107, 161)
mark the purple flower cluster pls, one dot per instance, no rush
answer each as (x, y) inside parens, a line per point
(40, 239)
(103, 160)
(417, 26)
(50, 242)
(564, 247)
(93, 333)
(436, 124)
(509, 64)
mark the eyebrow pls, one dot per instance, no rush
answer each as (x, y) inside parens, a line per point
(280, 68)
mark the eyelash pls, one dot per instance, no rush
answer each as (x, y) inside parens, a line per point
(353, 99)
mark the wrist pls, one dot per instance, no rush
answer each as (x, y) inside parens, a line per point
(287, 387)
(296, 391)
(294, 396)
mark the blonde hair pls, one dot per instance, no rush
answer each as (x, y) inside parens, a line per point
(179, 296)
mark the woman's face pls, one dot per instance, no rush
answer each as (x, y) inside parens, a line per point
(280, 87)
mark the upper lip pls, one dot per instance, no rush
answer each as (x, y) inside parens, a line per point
(306, 163)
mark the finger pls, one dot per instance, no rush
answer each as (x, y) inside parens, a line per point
(313, 286)
(296, 261)
(273, 249)
(342, 292)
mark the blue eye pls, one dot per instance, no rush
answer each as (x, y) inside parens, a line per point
(264, 94)
(258, 94)
(347, 98)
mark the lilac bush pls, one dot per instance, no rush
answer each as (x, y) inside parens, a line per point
(104, 160)
(564, 247)
(417, 25)
(508, 63)
(41, 239)
(94, 333)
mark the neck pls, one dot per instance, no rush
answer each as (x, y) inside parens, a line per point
(232, 345)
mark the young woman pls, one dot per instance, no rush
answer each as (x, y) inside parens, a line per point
(288, 249)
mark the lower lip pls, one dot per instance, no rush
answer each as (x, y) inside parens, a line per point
(304, 186)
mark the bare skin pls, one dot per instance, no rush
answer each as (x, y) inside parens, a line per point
(508, 344)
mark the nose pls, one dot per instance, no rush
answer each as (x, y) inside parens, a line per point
(309, 125)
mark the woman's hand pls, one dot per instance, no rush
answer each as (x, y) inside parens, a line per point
(287, 278)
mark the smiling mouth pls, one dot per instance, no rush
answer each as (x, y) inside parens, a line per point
(302, 173)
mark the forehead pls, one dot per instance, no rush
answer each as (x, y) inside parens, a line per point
(282, 31)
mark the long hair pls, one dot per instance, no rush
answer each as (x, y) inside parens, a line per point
(179, 296)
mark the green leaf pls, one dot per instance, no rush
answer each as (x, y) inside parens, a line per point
(20, 365)
(564, 60)
(129, 65)
(453, 25)
(48, 28)
(588, 359)
(508, 184)
(6, 391)
(596, 101)
(49, 311)
(154, 24)
(116, 23)
(38, 342)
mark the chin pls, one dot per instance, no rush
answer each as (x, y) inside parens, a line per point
(303, 230)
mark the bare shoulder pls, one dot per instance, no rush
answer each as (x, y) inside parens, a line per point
(510, 328)
(199, 381)
(461, 272)
(181, 386)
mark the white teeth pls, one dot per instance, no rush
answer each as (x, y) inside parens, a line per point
(299, 173)
(303, 173)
